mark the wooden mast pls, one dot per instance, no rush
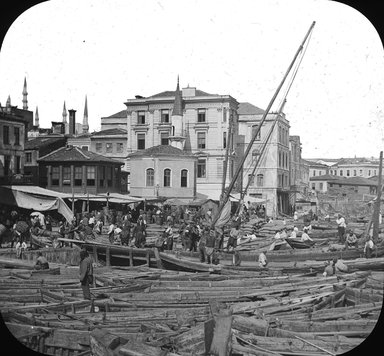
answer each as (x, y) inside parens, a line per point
(240, 165)
(376, 211)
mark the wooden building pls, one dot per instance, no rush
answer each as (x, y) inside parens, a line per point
(72, 169)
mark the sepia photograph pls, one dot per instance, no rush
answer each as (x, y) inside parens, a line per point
(198, 177)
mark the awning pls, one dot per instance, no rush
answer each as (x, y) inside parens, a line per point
(247, 198)
(175, 202)
(113, 198)
(35, 198)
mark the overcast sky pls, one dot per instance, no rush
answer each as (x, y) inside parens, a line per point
(112, 50)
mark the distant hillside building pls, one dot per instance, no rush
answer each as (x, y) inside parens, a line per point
(163, 171)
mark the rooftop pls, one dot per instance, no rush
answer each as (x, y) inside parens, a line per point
(76, 154)
(115, 131)
(42, 141)
(249, 109)
(160, 150)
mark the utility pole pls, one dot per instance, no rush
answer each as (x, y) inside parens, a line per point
(376, 210)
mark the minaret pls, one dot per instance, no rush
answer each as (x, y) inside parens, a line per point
(8, 103)
(177, 138)
(37, 124)
(25, 94)
(66, 127)
(85, 118)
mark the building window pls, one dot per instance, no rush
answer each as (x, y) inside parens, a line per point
(99, 147)
(361, 172)
(109, 176)
(91, 175)
(314, 173)
(260, 180)
(119, 147)
(321, 186)
(108, 147)
(165, 116)
(201, 140)
(66, 175)
(374, 172)
(354, 172)
(254, 129)
(201, 115)
(6, 135)
(313, 186)
(224, 114)
(184, 178)
(141, 141)
(224, 140)
(7, 166)
(201, 168)
(341, 172)
(150, 177)
(331, 185)
(55, 175)
(78, 176)
(369, 173)
(17, 135)
(347, 172)
(141, 117)
(101, 176)
(85, 148)
(167, 177)
(164, 138)
(251, 180)
(18, 165)
(28, 157)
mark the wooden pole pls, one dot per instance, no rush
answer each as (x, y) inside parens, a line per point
(241, 163)
(225, 165)
(376, 210)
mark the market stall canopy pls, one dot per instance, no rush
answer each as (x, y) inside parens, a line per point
(35, 198)
(175, 202)
(247, 198)
(112, 198)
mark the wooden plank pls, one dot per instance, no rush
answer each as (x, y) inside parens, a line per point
(221, 340)
(157, 257)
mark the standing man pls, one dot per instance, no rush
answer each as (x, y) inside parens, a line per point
(85, 273)
(341, 225)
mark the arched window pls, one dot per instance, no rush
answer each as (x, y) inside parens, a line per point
(260, 180)
(184, 178)
(150, 182)
(167, 177)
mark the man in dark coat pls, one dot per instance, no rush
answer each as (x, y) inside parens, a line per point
(85, 273)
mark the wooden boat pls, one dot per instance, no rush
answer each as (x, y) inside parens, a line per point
(298, 244)
(181, 262)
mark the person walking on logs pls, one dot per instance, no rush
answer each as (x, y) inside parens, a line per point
(210, 245)
(341, 225)
(203, 243)
(85, 273)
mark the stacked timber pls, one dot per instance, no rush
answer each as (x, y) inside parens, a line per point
(140, 310)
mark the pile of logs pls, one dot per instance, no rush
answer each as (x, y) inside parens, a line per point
(149, 311)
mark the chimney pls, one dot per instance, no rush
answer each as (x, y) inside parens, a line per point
(72, 122)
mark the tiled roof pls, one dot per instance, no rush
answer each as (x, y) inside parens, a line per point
(122, 113)
(42, 141)
(116, 131)
(160, 150)
(171, 93)
(249, 109)
(324, 177)
(76, 154)
(357, 181)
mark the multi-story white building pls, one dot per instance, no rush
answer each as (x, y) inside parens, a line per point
(270, 181)
(355, 167)
(190, 119)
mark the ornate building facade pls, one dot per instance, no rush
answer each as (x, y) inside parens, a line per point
(189, 119)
